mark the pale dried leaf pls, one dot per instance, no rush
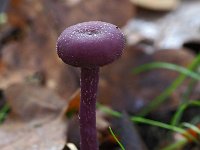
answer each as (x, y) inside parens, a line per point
(157, 4)
(22, 136)
(170, 30)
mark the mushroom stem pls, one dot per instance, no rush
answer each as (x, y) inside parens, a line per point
(89, 85)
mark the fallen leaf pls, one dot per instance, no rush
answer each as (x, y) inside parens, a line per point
(16, 135)
(32, 102)
(65, 14)
(159, 5)
(167, 30)
(36, 120)
(74, 104)
(35, 51)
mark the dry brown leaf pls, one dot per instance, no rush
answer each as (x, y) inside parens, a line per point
(36, 50)
(64, 14)
(16, 17)
(16, 135)
(32, 102)
(36, 120)
(74, 103)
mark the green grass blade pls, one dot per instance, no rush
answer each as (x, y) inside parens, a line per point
(121, 146)
(186, 95)
(165, 65)
(137, 119)
(157, 124)
(164, 95)
(3, 112)
(191, 126)
(176, 145)
(177, 116)
(164, 126)
(108, 111)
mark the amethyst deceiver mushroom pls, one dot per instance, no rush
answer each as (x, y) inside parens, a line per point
(90, 45)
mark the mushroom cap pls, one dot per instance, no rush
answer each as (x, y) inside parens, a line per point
(90, 44)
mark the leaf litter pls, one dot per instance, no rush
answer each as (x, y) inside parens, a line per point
(37, 119)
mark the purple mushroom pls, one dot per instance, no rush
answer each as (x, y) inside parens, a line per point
(90, 45)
